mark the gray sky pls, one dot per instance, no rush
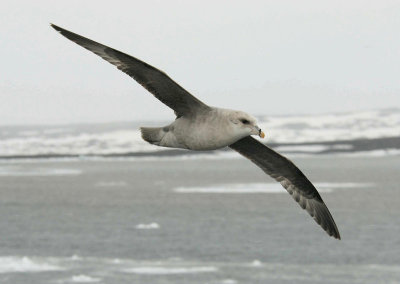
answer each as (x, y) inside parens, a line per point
(263, 57)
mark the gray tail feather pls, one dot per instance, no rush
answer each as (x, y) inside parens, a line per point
(152, 135)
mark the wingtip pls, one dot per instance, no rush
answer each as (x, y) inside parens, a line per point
(335, 234)
(57, 28)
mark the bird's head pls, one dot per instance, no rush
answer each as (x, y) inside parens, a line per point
(245, 124)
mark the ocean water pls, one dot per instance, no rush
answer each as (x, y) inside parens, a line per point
(285, 131)
(201, 220)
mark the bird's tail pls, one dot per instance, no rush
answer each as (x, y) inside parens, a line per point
(153, 135)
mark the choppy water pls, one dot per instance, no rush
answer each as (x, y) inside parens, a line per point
(124, 138)
(192, 221)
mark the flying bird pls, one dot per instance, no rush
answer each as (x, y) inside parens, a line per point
(201, 127)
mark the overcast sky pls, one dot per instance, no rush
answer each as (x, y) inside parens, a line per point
(263, 57)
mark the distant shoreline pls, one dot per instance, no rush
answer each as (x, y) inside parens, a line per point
(311, 148)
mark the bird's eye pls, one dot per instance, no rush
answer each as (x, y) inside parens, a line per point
(245, 121)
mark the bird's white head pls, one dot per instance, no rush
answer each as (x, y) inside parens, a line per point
(245, 124)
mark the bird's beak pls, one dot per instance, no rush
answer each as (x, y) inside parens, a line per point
(260, 132)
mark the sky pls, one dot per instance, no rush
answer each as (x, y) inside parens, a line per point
(262, 57)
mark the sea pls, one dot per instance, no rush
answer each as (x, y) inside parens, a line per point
(96, 204)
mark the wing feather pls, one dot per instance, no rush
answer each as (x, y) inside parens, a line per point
(291, 178)
(155, 81)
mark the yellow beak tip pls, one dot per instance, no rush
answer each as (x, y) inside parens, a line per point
(262, 134)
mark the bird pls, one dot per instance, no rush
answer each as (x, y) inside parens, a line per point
(199, 126)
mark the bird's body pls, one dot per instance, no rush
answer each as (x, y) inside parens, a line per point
(202, 127)
(209, 129)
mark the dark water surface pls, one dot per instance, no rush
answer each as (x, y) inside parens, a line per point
(121, 221)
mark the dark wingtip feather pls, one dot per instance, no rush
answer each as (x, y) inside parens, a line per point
(336, 234)
(57, 28)
(326, 220)
(60, 30)
(291, 178)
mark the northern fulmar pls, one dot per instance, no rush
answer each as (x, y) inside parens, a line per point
(201, 127)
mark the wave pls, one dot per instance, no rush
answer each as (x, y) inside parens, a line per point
(160, 270)
(111, 184)
(228, 281)
(306, 134)
(15, 264)
(79, 269)
(324, 187)
(147, 226)
(84, 279)
(333, 127)
(24, 171)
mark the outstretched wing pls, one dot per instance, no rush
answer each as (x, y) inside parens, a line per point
(154, 80)
(291, 178)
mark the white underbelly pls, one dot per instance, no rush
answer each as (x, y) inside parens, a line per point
(203, 138)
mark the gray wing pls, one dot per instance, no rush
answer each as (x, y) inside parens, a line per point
(154, 80)
(291, 178)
